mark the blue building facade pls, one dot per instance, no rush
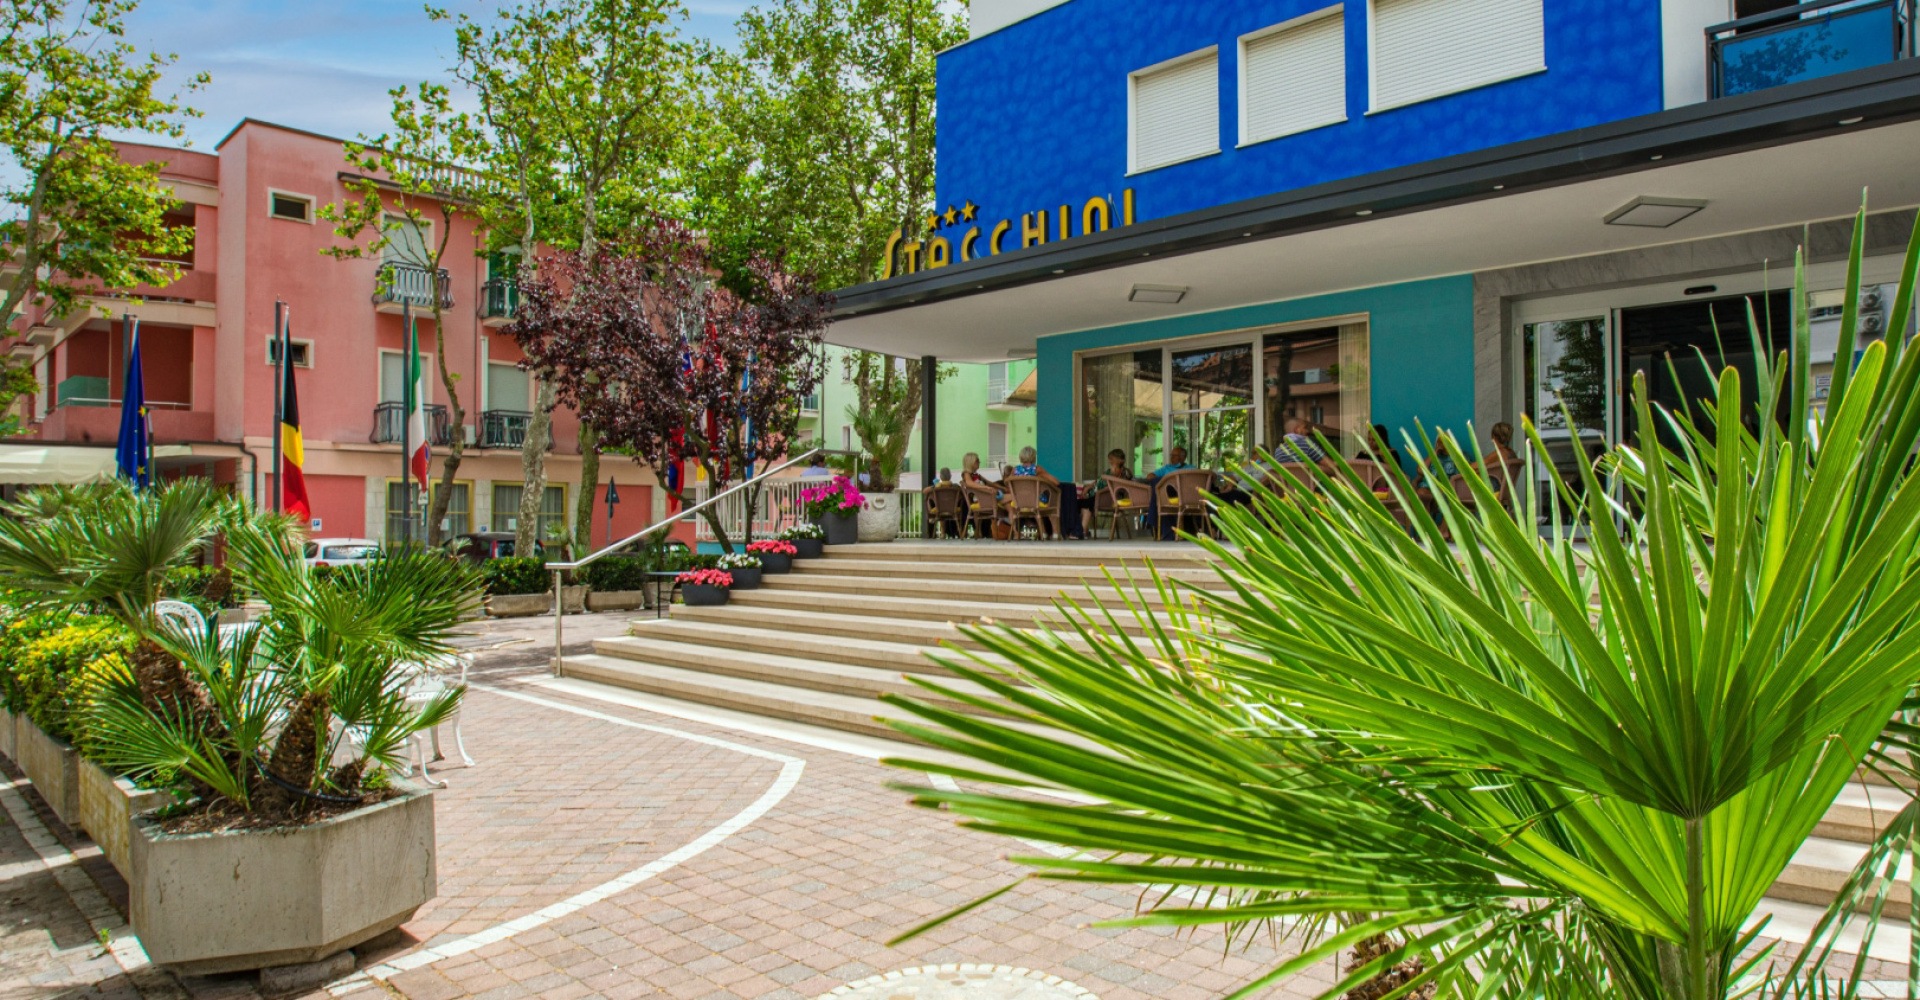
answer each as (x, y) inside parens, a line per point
(1210, 220)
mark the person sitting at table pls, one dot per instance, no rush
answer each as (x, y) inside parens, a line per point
(1069, 494)
(970, 470)
(1382, 447)
(1116, 466)
(1176, 462)
(1299, 447)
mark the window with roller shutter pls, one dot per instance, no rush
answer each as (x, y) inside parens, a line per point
(1175, 111)
(1423, 49)
(1293, 76)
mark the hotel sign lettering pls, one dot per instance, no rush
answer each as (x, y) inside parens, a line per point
(906, 256)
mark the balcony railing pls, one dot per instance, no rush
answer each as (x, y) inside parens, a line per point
(508, 429)
(390, 424)
(1805, 42)
(810, 403)
(499, 298)
(409, 284)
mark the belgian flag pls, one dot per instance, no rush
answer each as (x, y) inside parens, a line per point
(293, 483)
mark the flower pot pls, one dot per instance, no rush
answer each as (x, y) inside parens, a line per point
(842, 528)
(776, 562)
(880, 518)
(573, 600)
(616, 600)
(746, 578)
(107, 808)
(701, 595)
(53, 767)
(810, 548)
(206, 903)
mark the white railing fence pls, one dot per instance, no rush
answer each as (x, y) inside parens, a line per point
(779, 508)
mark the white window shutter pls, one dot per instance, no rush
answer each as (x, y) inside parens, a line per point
(1295, 78)
(1424, 49)
(1176, 112)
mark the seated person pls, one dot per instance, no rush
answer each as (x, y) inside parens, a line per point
(1116, 466)
(1176, 462)
(948, 527)
(1299, 447)
(970, 470)
(1070, 522)
(1382, 447)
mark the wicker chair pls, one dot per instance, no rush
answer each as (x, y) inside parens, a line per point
(983, 504)
(1127, 500)
(1183, 494)
(1030, 498)
(947, 507)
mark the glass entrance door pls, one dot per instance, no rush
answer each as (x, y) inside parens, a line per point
(1211, 404)
(1571, 393)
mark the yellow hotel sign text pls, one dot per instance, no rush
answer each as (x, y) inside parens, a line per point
(1036, 228)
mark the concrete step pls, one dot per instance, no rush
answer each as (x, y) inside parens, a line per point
(850, 713)
(1008, 571)
(923, 609)
(886, 654)
(1069, 553)
(788, 671)
(965, 589)
(748, 614)
(1821, 866)
(1861, 811)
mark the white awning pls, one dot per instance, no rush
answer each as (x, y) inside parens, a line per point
(68, 464)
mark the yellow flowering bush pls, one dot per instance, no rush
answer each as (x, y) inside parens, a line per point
(54, 663)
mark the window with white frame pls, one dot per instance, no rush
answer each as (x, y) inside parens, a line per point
(300, 352)
(289, 206)
(1174, 111)
(1422, 49)
(1293, 76)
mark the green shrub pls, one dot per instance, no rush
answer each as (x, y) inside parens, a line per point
(207, 588)
(54, 662)
(515, 575)
(616, 573)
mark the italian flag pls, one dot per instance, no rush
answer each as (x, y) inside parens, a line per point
(416, 409)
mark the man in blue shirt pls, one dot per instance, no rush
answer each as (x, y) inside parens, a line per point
(1177, 460)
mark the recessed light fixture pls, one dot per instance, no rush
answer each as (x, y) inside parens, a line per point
(1059, 271)
(1855, 120)
(1364, 211)
(1657, 156)
(1499, 187)
(1654, 213)
(1701, 290)
(1159, 295)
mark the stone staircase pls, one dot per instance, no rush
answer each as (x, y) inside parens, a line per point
(820, 645)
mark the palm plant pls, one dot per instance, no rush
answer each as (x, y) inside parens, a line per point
(1527, 765)
(244, 720)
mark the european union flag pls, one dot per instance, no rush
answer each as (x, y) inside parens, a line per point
(135, 451)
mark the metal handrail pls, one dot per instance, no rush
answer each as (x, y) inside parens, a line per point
(559, 618)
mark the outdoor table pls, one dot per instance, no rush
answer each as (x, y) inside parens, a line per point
(659, 606)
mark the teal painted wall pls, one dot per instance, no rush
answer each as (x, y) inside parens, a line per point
(962, 419)
(1421, 342)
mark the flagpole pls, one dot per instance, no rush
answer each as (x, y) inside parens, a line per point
(406, 423)
(279, 391)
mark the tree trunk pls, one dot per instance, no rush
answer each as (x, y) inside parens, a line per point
(296, 755)
(533, 469)
(450, 467)
(589, 482)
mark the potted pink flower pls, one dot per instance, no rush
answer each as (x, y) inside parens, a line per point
(836, 507)
(704, 587)
(775, 556)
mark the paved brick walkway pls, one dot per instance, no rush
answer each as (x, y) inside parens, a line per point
(600, 850)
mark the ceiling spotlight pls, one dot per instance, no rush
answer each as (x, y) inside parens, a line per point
(1654, 213)
(1160, 295)
(1059, 271)
(1657, 156)
(1855, 120)
(1364, 211)
(1499, 187)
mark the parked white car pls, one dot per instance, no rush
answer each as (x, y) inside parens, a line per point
(340, 551)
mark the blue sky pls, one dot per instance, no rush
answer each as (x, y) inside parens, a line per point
(325, 66)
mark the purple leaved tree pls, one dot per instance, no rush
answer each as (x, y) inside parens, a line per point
(668, 368)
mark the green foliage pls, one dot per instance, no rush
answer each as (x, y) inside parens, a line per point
(208, 588)
(515, 575)
(617, 573)
(81, 218)
(1521, 754)
(54, 662)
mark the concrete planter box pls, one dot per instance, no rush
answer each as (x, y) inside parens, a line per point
(519, 605)
(7, 729)
(223, 902)
(53, 766)
(879, 520)
(616, 600)
(107, 808)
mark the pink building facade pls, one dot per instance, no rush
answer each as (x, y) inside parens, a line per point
(254, 205)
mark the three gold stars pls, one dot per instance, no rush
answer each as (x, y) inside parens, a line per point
(952, 216)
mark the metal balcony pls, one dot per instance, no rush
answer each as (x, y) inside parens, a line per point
(499, 301)
(507, 429)
(1805, 42)
(390, 424)
(409, 285)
